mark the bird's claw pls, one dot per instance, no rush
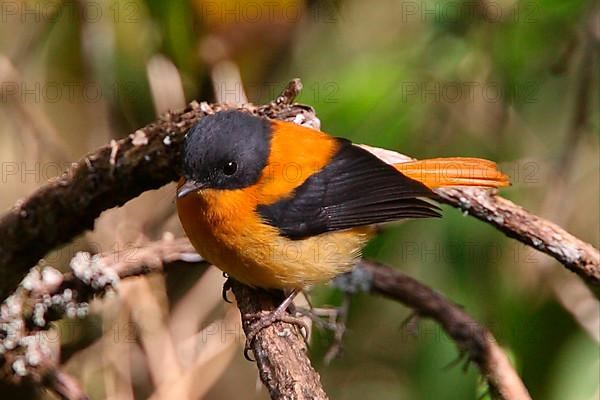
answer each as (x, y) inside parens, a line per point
(226, 288)
(263, 319)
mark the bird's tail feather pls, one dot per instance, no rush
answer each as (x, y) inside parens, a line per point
(454, 171)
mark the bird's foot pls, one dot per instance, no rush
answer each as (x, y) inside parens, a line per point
(263, 319)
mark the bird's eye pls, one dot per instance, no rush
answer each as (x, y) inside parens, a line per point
(230, 168)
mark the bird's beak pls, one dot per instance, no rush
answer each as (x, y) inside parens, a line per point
(188, 187)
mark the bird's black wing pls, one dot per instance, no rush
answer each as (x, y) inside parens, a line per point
(354, 189)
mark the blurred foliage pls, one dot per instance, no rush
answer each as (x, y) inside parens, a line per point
(436, 78)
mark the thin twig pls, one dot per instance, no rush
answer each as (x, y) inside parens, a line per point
(470, 337)
(64, 385)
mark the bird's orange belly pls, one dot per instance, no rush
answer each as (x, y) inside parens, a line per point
(240, 244)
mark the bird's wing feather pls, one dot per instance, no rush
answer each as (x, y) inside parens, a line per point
(355, 189)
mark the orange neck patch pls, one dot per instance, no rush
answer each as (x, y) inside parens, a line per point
(288, 166)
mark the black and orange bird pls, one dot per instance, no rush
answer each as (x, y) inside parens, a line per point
(280, 206)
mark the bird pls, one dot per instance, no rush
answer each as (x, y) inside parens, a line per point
(278, 205)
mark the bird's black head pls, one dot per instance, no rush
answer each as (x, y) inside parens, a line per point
(226, 150)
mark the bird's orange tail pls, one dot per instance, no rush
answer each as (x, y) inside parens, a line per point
(454, 171)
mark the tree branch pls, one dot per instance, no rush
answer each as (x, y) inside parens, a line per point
(516, 222)
(279, 350)
(470, 337)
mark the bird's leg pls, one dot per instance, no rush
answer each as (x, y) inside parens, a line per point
(261, 320)
(333, 320)
(322, 318)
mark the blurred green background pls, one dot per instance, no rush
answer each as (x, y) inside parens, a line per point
(515, 82)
